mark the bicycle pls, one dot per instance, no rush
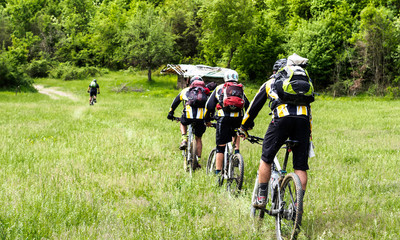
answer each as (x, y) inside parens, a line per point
(189, 153)
(284, 199)
(232, 170)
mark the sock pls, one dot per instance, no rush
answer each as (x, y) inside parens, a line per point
(236, 151)
(217, 171)
(263, 186)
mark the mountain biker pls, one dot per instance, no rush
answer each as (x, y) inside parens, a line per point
(190, 115)
(227, 121)
(93, 89)
(288, 121)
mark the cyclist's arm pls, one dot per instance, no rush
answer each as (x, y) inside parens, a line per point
(210, 106)
(98, 88)
(176, 102)
(255, 106)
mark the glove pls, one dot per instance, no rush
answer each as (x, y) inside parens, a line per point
(88, 91)
(98, 93)
(243, 133)
(170, 116)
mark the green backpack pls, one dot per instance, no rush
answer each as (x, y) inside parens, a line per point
(294, 86)
(93, 85)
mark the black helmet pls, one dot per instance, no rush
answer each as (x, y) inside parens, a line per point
(194, 78)
(279, 64)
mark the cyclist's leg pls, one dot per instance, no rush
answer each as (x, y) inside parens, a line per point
(223, 136)
(236, 122)
(274, 138)
(199, 129)
(183, 128)
(301, 133)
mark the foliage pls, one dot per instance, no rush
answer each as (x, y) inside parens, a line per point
(11, 72)
(225, 23)
(38, 68)
(147, 40)
(351, 43)
(67, 71)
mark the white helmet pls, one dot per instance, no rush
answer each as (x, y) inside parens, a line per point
(231, 76)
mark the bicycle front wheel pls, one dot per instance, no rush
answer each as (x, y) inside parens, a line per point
(211, 162)
(288, 220)
(235, 177)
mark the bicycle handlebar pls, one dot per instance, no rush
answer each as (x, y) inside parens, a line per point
(254, 139)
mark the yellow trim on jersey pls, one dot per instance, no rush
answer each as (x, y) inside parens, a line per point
(301, 110)
(188, 112)
(282, 110)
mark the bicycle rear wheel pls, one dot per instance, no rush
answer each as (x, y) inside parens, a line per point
(193, 162)
(235, 182)
(211, 162)
(288, 220)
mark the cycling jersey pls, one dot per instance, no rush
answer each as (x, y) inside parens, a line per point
(214, 100)
(188, 111)
(280, 110)
(94, 89)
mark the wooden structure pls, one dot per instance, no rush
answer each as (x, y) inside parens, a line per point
(185, 72)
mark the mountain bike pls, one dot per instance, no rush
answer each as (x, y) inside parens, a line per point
(232, 169)
(284, 199)
(189, 153)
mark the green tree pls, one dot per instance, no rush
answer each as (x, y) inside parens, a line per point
(225, 24)
(147, 41)
(374, 43)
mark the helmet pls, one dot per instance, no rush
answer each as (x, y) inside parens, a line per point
(94, 80)
(194, 78)
(231, 75)
(279, 64)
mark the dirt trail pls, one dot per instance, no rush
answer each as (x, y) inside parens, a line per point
(54, 94)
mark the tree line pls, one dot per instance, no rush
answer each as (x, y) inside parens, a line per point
(352, 45)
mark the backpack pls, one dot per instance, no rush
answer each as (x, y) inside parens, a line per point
(293, 86)
(93, 85)
(197, 95)
(231, 98)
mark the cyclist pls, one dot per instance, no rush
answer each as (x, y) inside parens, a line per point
(228, 119)
(191, 115)
(93, 89)
(288, 121)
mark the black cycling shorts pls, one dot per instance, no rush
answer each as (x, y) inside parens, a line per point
(294, 128)
(226, 129)
(93, 93)
(198, 125)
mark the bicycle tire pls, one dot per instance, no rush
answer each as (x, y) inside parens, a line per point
(234, 184)
(288, 220)
(211, 162)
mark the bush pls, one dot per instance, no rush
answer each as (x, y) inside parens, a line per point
(67, 71)
(38, 68)
(12, 74)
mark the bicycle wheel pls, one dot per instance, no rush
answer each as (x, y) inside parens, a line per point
(193, 162)
(288, 219)
(235, 181)
(211, 162)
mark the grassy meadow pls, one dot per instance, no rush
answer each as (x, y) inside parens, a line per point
(114, 171)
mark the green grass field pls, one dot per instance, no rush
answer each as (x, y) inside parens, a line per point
(114, 171)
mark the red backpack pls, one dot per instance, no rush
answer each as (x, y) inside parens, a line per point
(197, 95)
(232, 97)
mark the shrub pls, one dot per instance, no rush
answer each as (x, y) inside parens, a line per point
(67, 71)
(11, 73)
(38, 68)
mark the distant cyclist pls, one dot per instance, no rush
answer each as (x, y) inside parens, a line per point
(289, 120)
(194, 99)
(229, 100)
(93, 89)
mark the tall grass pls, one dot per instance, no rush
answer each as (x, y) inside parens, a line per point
(114, 171)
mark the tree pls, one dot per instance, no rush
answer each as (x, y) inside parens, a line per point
(147, 41)
(225, 23)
